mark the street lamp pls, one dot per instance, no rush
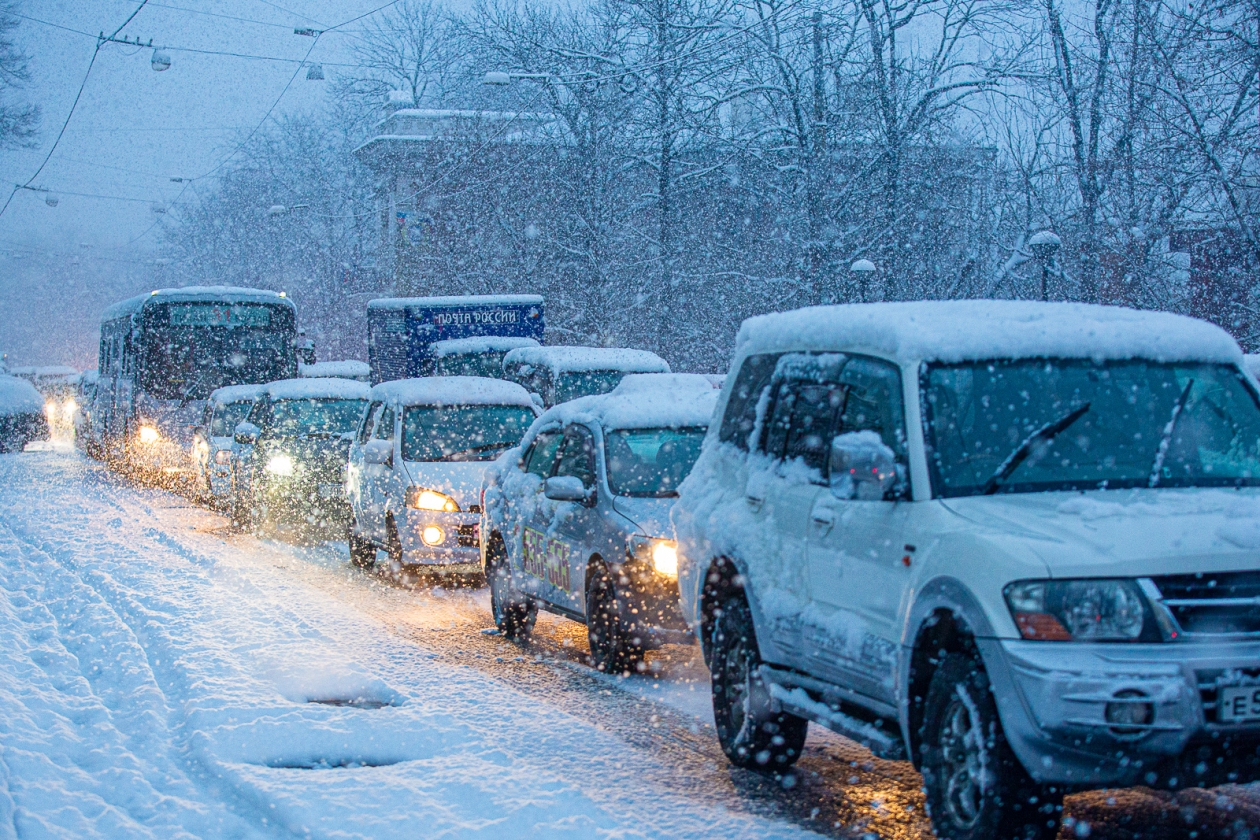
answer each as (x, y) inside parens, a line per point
(863, 271)
(1044, 244)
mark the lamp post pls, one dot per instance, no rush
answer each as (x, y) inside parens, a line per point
(863, 271)
(1044, 244)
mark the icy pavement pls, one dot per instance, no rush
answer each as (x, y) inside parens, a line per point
(164, 682)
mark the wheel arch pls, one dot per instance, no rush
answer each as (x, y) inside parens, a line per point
(724, 577)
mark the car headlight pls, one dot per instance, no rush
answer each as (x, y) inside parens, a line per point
(661, 555)
(149, 435)
(1088, 610)
(280, 464)
(422, 498)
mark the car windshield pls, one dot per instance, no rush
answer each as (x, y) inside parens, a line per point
(570, 386)
(314, 417)
(226, 416)
(1069, 424)
(650, 462)
(471, 364)
(462, 432)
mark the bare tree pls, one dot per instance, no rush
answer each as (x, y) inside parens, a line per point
(18, 120)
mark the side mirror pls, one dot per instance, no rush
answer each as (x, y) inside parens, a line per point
(565, 488)
(537, 400)
(246, 434)
(378, 452)
(862, 467)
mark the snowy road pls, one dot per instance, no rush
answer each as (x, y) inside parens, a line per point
(161, 676)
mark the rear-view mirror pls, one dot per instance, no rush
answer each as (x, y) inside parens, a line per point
(862, 466)
(246, 434)
(378, 452)
(565, 488)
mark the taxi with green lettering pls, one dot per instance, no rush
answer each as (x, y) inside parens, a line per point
(576, 519)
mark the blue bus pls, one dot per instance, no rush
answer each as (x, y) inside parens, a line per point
(162, 353)
(402, 331)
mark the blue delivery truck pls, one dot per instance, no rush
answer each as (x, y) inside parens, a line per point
(402, 331)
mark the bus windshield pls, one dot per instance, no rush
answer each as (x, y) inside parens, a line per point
(190, 350)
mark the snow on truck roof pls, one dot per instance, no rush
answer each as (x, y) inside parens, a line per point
(452, 390)
(193, 294)
(650, 383)
(965, 330)
(582, 359)
(329, 388)
(480, 344)
(455, 300)
(673, 409)
(235, 393)
(346, 369)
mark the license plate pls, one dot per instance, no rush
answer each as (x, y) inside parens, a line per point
(330, 491)
(1238, 703)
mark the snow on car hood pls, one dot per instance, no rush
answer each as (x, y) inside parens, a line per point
(650, 515)
(1127, 533)
(461, 480)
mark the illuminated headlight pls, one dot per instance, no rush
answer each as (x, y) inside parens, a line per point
(421, 498)
(280, 464)
(70, 407)
(433, 535)
(223, 457)
(661, 554)
(1080, 610)
(149, 435)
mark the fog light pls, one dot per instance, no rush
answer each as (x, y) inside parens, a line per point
(665, 559)
(149, 435)
(1129, 713)
(432, 535)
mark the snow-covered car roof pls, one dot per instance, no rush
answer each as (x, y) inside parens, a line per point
(17, 396)
(649, 383)
(90, 377)
(47, 372)
(193, 294)
(454, 300)
(235, 393)
(1251, 362)
(965, 330)
(582, 359)
(348, 369)
(452, 390)
(480, 344)
(663, 409)
(328, 388)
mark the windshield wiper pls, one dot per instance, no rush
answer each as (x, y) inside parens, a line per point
(1165, 439)
(1046, 433)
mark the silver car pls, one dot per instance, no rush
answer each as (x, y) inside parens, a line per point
(212, 439)
(576, 520)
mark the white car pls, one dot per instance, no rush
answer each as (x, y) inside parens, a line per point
(560, 374)
(212, 440)
(577, 519)
(414, 478)
(1015, 543)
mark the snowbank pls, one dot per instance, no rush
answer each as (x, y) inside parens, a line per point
(583, 359)
(318, 389)
(480, 344)
(17, 396)
(954, 331)
(452, 390)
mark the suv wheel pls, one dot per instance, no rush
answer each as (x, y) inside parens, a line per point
(362, 552)
(976, 787)
(751, 734)
(514, 613)
(613, 650)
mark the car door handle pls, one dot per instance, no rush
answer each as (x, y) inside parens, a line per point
(825, 519)
(755, 502)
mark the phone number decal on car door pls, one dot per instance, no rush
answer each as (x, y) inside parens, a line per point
(546, 559)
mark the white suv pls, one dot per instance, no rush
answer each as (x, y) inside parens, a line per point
(1015, 543)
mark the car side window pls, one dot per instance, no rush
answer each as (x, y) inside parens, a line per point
(542, 454)
(385, 426)
(365, 427)
(577, 458)
(802, 422)
(750, 385)
(873, 402)
(259, 413)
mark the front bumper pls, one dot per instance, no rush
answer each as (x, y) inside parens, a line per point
(1052, 698)
(306, 501)
(650, 607)
(459, 551)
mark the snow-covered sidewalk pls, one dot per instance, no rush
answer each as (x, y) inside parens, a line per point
(159, 678)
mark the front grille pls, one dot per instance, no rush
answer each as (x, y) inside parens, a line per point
(466, 535)
(1210, 680)
(1217, 603)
